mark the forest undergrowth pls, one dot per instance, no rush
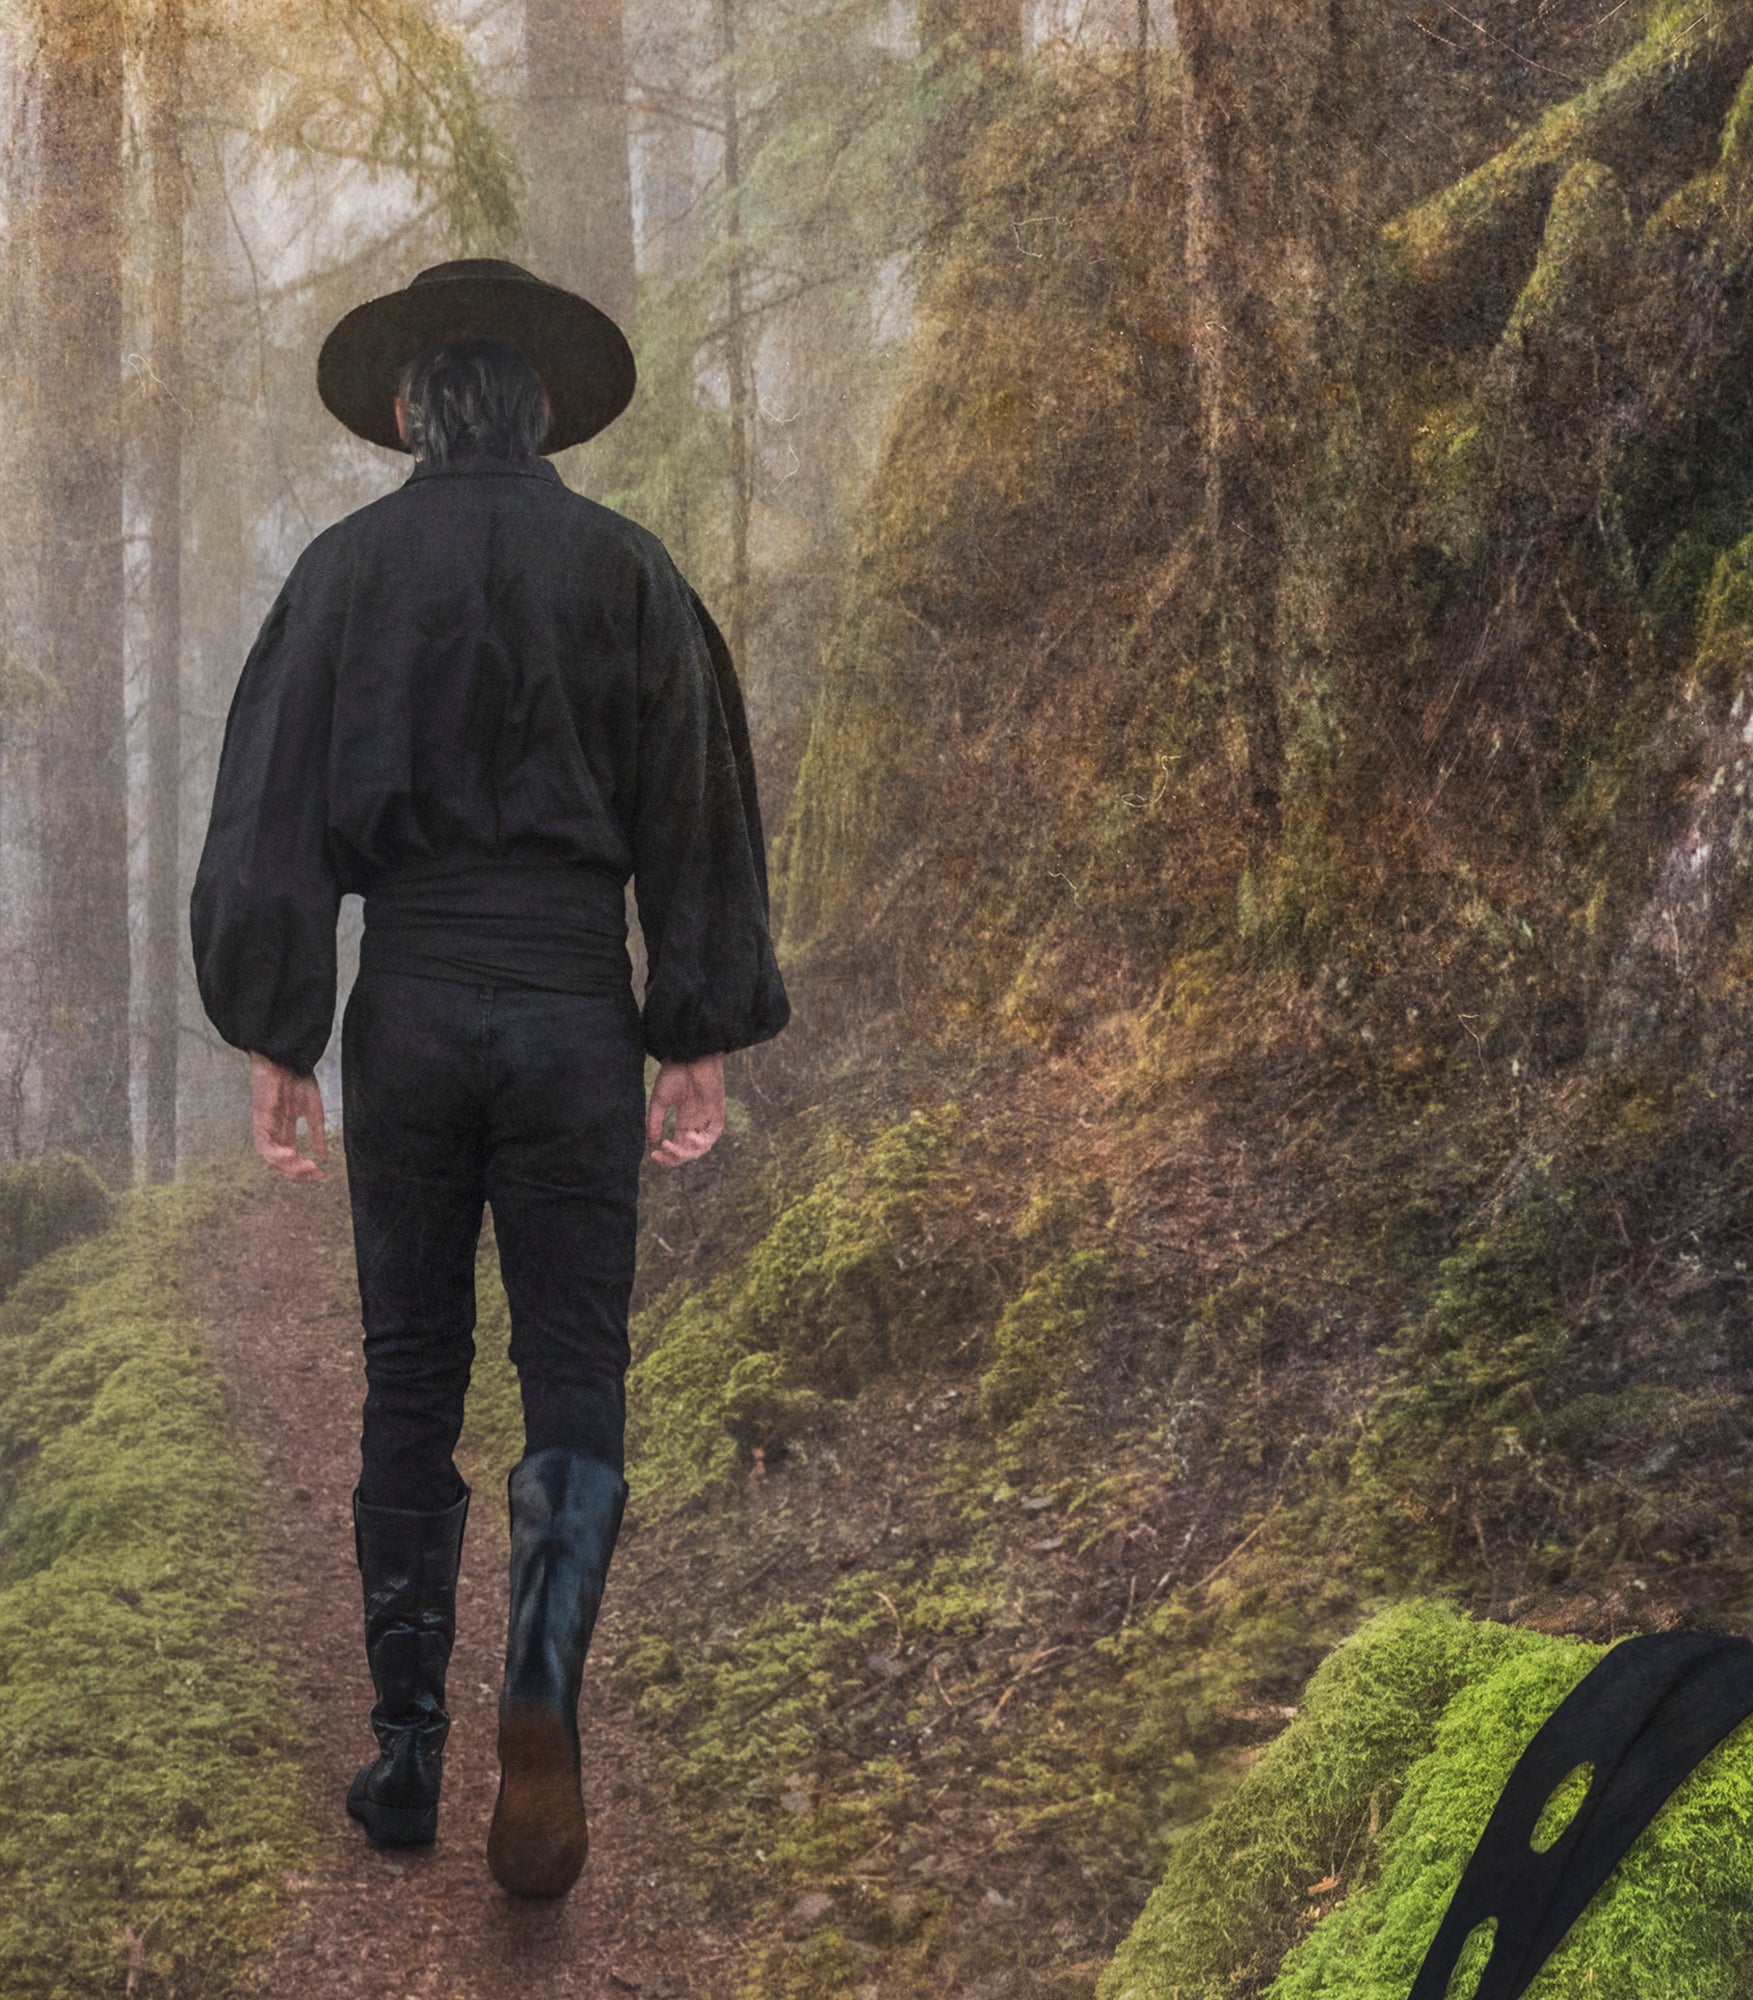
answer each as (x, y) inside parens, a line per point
(1261, 1138)
(1234, 1284)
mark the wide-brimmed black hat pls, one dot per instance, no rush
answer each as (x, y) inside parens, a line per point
(580, 353)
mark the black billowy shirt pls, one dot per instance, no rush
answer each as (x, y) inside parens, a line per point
(482, 703)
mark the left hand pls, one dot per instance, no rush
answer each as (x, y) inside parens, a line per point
(279, 1097)
(695, 1091)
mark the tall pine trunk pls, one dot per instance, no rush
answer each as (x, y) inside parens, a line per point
(218, 613)
(84, 828)
(578, 220)
(1266, 90)
(164, 509)
(736, 354)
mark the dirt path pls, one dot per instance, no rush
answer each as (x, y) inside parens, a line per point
(372, 1924)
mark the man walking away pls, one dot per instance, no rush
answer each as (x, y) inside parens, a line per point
(483, 702)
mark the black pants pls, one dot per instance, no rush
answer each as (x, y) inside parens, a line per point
(457, 1094)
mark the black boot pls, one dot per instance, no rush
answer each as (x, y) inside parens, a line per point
(408, 1563)
(565, 1515)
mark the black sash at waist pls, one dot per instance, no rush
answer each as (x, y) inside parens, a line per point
(502, 923)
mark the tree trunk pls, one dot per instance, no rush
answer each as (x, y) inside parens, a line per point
(668, 144)
(736, 357)
(164, 510)
(82, 743)
(579, 219)
(219, 616)
(1141, 71)
(1264, 117)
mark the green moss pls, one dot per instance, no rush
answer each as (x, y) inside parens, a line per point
(1043, 1337)
(1041, 340)
(1468, 251)
(1234, 1894)
(1641, 1419)
(1716, 204)
(751, 1712)
(1675, 593)
(1062, 1209)
(1484, 452)
(763, 1411)
(1725, 639)
(1517, 1401)
(1454, 468)
(44, 1204)
(1671, 1919)
(856, 761)
(821, 1967)
(1040, 1335)
(832, 1295)
(1477, 1363)
(682, 1361)
(1345, 1842)
(147, 1801)
(1562, 1807)
(1584, 252)
(1736, 160)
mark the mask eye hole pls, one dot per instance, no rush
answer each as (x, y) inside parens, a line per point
(1561, 1808)
(1475, 1956)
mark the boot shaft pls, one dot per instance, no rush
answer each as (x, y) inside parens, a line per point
(408, 1565)
(566, 1510)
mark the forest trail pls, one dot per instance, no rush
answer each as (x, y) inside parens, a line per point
(369, 1924)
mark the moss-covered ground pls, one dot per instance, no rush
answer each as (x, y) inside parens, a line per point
(147, 1814)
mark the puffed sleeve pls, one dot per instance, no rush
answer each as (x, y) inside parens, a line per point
(262, 913)
(699, 860)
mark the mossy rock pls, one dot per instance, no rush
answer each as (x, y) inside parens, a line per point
(1234, 1895)
(1339, 1852)
(45, 1204)
(1671, 1918)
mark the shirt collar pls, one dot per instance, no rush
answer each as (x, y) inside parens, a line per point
(488, 463)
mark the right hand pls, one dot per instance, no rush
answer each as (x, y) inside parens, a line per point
(279, 1097)
(695, 1090)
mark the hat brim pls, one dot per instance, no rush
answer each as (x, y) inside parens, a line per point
(580, 353)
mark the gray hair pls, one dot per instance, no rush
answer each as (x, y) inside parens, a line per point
(475, 394)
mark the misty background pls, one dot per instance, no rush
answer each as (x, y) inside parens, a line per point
(1235, 1286)
(193, 194)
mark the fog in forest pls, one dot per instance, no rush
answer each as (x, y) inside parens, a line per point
(1229, 1299)
(194, 193)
